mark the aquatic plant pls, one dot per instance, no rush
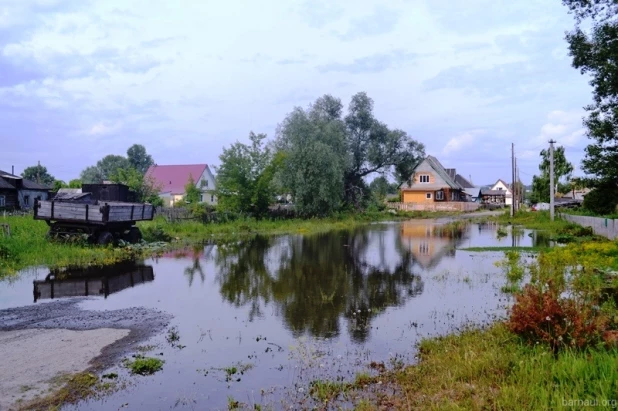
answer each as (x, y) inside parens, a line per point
(144, 365)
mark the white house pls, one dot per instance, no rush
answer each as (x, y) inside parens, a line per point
(172, 179)
(502, 186)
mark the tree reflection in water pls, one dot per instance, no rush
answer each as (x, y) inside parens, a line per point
(314, 281)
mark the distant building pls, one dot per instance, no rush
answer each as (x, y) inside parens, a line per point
(498, 194)
(19, 193)
(172, 179)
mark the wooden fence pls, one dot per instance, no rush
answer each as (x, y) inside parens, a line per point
(436, 206)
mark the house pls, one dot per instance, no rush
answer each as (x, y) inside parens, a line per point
(498, 194)
(171, 180)
(577, 194)
(18, 192)
(431, 182)
(470, 190)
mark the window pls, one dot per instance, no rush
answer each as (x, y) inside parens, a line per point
(212, 199)
(2, 201)
(423, 178)
(26, 200)
(201, 198)
(423, 248)
(440, 195)
(428, 196)
(500, 188)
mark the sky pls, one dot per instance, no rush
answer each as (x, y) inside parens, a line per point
(80, 79)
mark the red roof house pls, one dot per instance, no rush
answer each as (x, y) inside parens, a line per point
(172, 179)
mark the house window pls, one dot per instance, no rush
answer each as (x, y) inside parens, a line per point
(423, 178)
(423, 248)
(201, 198)
(500, 188)
(26, 200)
(428, 196)
(212, 199)
(440, 195)
(2, 201)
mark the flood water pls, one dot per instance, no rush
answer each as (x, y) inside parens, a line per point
(286, 310)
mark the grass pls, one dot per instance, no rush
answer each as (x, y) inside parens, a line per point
(144, 365)
(497, 249)
(75, 388)
(28, 246)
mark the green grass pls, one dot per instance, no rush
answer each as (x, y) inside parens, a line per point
(159, 228)
(28, 246)
(492, 369)
(144, 365)
(497, 249)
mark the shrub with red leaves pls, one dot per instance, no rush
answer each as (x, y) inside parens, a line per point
(542, 316)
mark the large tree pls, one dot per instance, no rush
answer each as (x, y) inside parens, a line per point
(562, 174)
(39, 174)
(138, 158)
(314, 147)
(245, 175)
(329, 154)
(593, 45)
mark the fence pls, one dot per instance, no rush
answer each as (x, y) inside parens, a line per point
(437, 206)
(605, 227)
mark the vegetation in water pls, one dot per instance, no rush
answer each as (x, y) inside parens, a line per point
(144, 365)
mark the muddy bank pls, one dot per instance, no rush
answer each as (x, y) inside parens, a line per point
(41, 342)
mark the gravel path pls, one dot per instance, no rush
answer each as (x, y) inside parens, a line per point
(43, 341)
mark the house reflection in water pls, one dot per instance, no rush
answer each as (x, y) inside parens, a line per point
(430, 241)
(92, 281)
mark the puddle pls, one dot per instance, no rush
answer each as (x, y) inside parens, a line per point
(259, 319)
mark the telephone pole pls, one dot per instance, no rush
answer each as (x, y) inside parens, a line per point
(515, 188)
(513, 180)
(38, 169)
(551, 179)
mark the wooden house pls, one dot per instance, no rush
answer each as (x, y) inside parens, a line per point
(498, 194)
(17, 192)
(431, 182)
(172, 179)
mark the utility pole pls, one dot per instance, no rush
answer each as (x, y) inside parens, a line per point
(551, 179)
(513, 180)
(515, 188)
(38, 177)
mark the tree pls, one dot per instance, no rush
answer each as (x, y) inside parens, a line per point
(58, 184)
(138, 158)
(144, 187)
(313, 143)
(39, 174)
(595, 52)
(562, 173)
(91, 175)
(380, 187)
(192, 193)
(105, 168)
(75, 183)
(329, 155)
(245, 176)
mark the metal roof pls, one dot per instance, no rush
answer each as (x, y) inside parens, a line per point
(435, 164)
(27, 184)
(173, 178)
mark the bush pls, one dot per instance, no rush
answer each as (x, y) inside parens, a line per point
(602, 200)
(540, 315)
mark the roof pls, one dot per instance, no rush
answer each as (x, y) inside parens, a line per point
(462, 181)
(173, 178)
(490, 192)
(435, 164)
(27, 184)
(503, 182)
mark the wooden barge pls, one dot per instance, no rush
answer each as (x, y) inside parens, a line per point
(103, 221)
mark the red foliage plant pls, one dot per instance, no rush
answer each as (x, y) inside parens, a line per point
(542, 316)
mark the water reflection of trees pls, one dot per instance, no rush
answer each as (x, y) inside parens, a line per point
(315, 281)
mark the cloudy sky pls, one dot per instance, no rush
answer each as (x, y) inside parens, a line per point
(80, 79)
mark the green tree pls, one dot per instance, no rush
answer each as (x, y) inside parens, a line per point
(380, 187)
(138, 158)
(58, 184)
(245, 175)
(91, 175)
(329, 155)
(39, 174)
(314, 147)
(75, 183)
(592, 46)
(374, 148)
(562, 173)
(192, 193)
(144, 187)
